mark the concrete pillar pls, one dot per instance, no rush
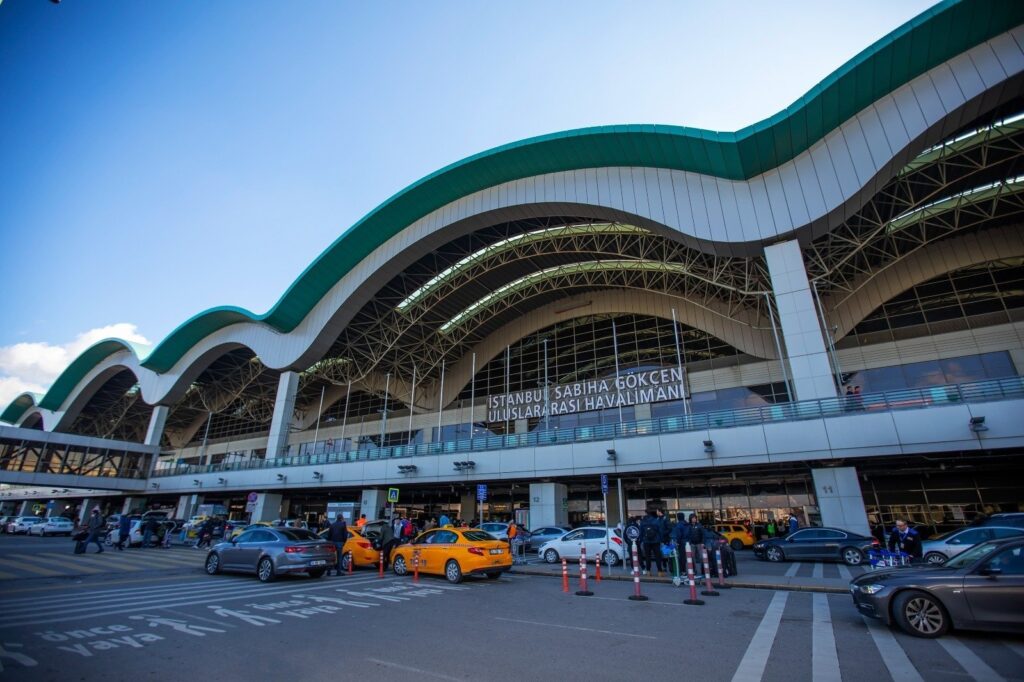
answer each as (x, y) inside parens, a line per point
(187, 505)
(284, 413)
(807, 356)
(612, 509)
(371, 502)
(156, 425)
(24, 508)
(134, 504)
(840, 500)
(83, 512)
(468, 507)
(268, 508)
(549, 504)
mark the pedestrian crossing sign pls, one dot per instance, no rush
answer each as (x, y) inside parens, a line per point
(392, 495)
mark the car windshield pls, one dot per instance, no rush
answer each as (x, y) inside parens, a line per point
(297, 534)
(970, 556)
(477, 536)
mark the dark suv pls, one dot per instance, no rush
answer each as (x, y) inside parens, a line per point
(1008, 519)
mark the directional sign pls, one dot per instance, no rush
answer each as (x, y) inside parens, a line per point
(604, 484)
(481, 492)
(253, 497)
(632, 533)
(392, 495)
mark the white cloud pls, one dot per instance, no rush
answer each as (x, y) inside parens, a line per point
(34, 366)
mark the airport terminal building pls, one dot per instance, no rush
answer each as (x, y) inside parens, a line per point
(820, 313)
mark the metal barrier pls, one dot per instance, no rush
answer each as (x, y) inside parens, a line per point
(915, 398)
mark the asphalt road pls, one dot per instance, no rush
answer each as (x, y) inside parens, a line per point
(167, 618)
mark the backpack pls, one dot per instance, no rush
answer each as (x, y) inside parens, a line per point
(651, 533)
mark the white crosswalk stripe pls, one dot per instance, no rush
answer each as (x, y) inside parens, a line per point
(895, 659)
(824, 657)
(818, 571)
(755, 658)
(791, 571)
(968, 660)
(844, 572)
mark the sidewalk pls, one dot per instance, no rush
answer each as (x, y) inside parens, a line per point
(748, 577)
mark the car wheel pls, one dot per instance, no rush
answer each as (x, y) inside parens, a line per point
(265, 570)
(399, 566)
(212, 564)
(774, 554)
(346, 560)
(610, 558)
(853, 556)
(551, 556)
(453, 571)
(919, 614)
(935, 559)
(736, 544)
(318, 573)
(494, 575)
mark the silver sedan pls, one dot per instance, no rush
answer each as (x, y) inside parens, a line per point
(270, 552)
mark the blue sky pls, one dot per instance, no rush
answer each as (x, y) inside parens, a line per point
(160, 158)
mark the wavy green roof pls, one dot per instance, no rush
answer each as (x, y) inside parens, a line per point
(935, 36)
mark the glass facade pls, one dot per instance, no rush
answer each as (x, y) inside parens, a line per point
(933, 373)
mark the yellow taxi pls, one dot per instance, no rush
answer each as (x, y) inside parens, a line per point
(359, 550)
(737, 535)
(238, 528)
(454, 553)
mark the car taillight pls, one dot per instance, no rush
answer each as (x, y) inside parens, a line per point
(364, 545)
(294, 550)
(476, 550)
(874, 542)
(616, 540)
(331, 548)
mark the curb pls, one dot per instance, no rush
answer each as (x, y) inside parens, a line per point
(732, 583)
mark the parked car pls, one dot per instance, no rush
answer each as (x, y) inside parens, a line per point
(939, 549)
(599, 542)
(4, 520)
(1004, 519)
(817, 543)
(737, 535)
(135, 533)
(454, 553)
(538, 536)
(982, 588)
(500, 531)
(270, 552)
(22, 524)
(55, 525)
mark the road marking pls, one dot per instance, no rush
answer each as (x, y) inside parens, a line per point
(819, 570)
(844, 572)
(751, 667)
(824, 658)
(968, 660)
(791, 571)
(1016, 648)
(68, 563)
(7, 576)
(895, 659)
(573, 627)
(257, 590)
(89, 561)
(59, 588)
(151, 587)
(21, 566)
(410, 669)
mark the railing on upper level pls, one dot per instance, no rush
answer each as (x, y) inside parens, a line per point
(914, 398)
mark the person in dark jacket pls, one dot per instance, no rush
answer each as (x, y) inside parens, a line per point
(150, 527)
(905, 539)
(337, 533)
(650, 538)
(691, 532)
(95, 528)
(124, 530)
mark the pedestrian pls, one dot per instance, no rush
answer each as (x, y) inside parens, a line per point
(95, 528)
(149, 527)
(408, 531)
(387, 543)
(361, 521)
(397, 525)
(858, 399)
(905, 539)
(444, 521)
(694, 534)
(124, 531)
(794, 524)
(650, 535)
(878, 533)
(337, 533)
(205, 533)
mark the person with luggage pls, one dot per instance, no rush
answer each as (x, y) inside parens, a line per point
(650, 536)
(906, 540)
(95, 528)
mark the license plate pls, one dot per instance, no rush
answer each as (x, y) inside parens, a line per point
(318, 562)
(497, 551)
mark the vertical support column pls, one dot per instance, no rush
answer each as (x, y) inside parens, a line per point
(156, 425)
(284, 410)
(801, 329)
(840, 500)
(548, 504)
(371, 502)
(187, 505)
(135, 504)
(467, 506)
(83, 512)
(268, 508)
(24, 508)
(612, 511)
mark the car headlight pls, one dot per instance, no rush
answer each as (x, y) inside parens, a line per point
(871, 588)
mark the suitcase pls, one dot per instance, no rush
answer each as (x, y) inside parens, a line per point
(80, 547)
